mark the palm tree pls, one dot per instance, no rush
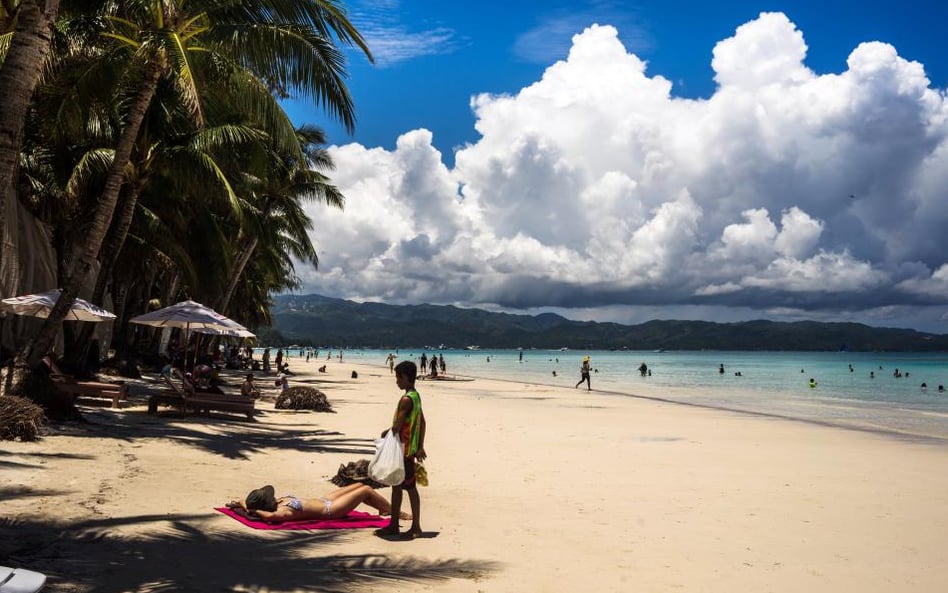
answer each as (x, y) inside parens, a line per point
(275, 214)
(23, 54)
(258, 45)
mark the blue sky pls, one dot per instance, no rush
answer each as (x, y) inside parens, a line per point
(432, 56)
(622, 161)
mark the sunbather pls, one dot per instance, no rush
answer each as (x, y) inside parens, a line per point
(263, 504)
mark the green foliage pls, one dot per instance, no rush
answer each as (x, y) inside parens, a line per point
(314, 319)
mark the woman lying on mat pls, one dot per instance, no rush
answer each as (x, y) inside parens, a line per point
(263, 504)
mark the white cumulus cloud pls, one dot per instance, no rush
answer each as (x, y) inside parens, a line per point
(596, 187)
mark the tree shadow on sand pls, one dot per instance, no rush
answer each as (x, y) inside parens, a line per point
(184, 555)
(230, 438)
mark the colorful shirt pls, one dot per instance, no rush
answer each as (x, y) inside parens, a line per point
(411, 430)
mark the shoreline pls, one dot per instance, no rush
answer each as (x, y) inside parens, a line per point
(679, 397)
(533, 488)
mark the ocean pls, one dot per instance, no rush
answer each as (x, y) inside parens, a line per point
(858, 390)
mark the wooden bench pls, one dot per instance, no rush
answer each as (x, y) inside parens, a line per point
(187, 399)
(205, 402)
(168, 399)
(117, 392)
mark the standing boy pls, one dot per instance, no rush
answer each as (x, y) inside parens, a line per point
(409, 424)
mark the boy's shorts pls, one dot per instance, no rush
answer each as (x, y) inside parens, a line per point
(409, 481)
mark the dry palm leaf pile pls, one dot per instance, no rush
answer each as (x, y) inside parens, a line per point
(355, 471)
(20, 418)
(303, 398)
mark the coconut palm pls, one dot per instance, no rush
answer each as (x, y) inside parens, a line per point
(274, 213)
(23, 54)
(257, 46)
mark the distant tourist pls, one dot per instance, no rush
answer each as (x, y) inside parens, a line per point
(812, 383)
(443, 366)
(941, 388)
(721, 369)
(924, 386)
(584, 374)
(643, 369)
(390, 361)
(248, 389)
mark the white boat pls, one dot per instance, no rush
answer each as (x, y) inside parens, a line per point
(472, 347)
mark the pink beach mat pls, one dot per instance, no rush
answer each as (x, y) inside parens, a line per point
(354, 520)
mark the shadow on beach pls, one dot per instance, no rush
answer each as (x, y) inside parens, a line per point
(223, 434)
(227, 436)
(181, 553)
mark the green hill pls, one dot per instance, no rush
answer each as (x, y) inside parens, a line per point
(322, 321)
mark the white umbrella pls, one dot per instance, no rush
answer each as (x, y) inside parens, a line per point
(234, 333)
(189, 315)
(40, 305)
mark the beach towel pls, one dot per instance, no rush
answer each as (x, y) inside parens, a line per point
(354, 520)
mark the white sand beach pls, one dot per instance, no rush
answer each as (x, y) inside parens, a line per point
(533, 489)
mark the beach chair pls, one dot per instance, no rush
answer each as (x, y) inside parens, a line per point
(185, 397)
(19, 580)
(71, 387)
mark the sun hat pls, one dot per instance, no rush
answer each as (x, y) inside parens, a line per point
(262, 499)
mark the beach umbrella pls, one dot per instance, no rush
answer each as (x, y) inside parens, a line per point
(189, 315)
(40, 305)
(233, 333)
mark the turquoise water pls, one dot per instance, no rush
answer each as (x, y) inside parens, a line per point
(771, 383)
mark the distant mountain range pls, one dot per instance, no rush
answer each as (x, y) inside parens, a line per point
(321, 321)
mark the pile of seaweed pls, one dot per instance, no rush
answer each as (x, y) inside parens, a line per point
(20, 419)
(303, 397)
(355, 471)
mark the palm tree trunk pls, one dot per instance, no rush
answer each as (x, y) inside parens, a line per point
(108, 255)
(41, 343)
(19, 75)
(242, 260)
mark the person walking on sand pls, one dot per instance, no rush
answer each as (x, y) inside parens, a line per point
(409, 424)
(584, 374)
(390, 361)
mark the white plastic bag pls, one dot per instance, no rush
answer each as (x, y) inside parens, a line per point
(388, 465)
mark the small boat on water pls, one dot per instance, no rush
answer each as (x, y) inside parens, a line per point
(472, 347)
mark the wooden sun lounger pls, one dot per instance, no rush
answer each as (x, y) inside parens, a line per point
(185, 398)
(117, 392)
(72, 387)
